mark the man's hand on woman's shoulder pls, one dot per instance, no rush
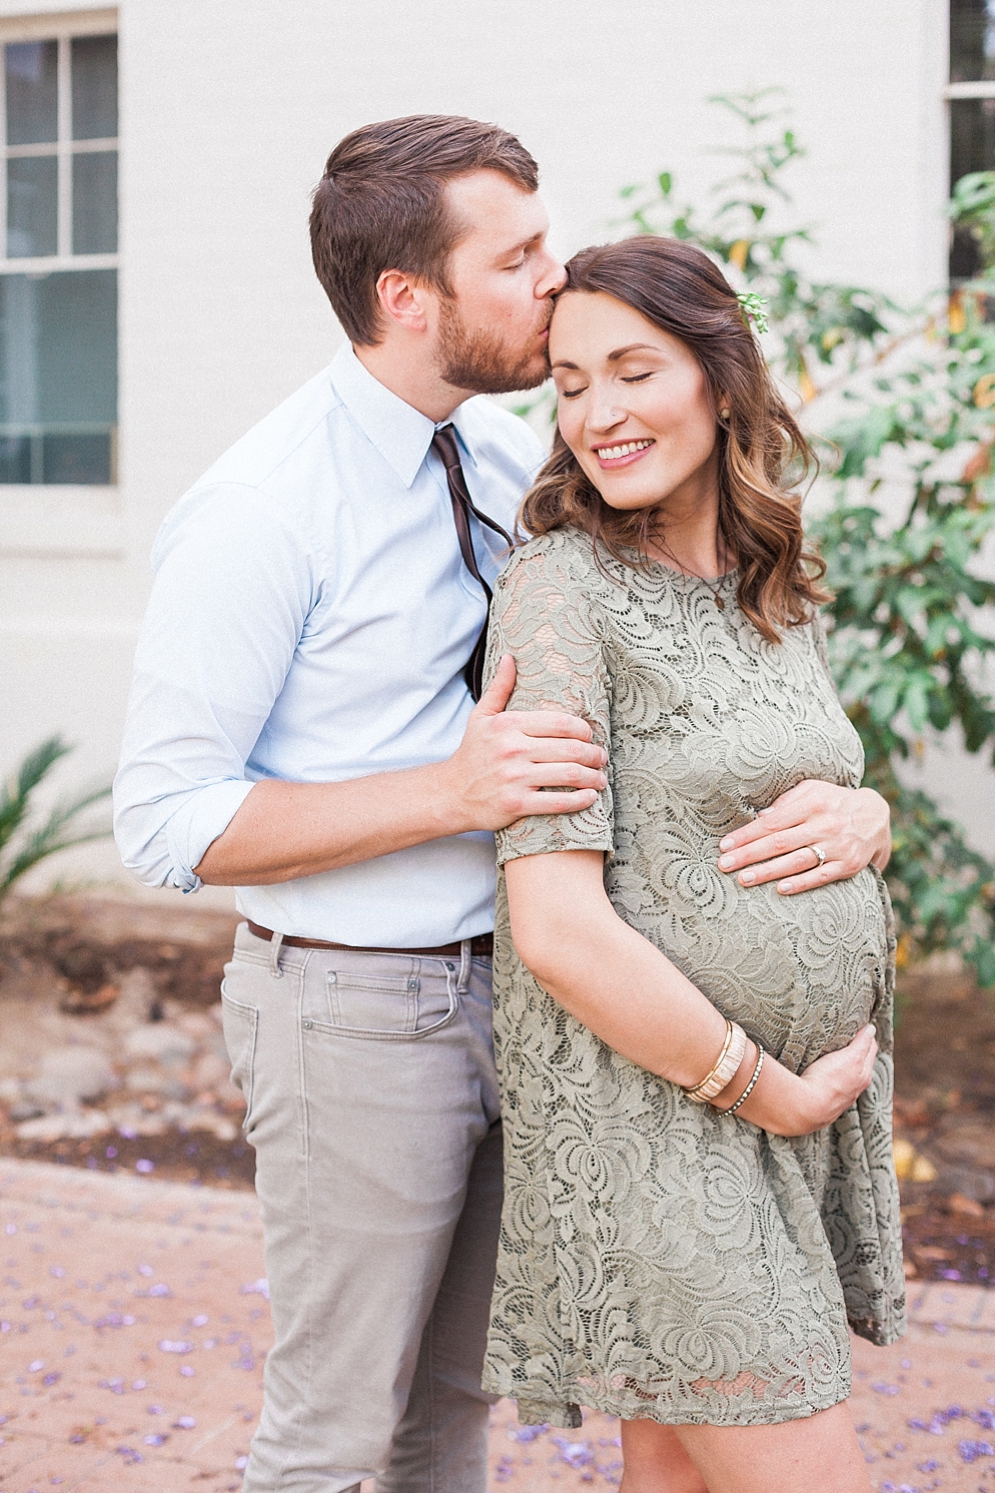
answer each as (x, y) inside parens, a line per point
(851, 826)
(507, 757)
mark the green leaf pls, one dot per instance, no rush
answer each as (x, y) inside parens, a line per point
(23, 846)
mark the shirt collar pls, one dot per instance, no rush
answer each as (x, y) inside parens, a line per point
(399, 432)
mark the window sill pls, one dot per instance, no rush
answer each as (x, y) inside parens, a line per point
(39, 521)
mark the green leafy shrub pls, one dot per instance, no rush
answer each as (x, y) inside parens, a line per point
(912, 639)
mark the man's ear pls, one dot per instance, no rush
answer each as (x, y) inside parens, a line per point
(403, 300)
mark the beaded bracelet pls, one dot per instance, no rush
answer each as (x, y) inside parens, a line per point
(749, 1087)
(725, 1069)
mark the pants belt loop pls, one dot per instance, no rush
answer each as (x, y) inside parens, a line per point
(465, 954)
(276, 944)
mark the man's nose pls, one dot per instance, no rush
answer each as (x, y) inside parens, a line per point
(552, 279)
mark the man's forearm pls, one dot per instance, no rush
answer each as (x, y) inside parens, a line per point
(508, 765)
(287, 830)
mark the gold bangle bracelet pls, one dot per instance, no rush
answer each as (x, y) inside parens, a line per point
(725, 1069)
(694, 1090)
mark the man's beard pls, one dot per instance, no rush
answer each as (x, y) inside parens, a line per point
(479, 361)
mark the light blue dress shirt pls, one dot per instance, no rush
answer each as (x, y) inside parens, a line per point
(309, 621)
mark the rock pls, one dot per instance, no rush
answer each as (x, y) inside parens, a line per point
(160, 1040)
(958, 1203)
(25, 1109)
(145, 1080)
(196, 1024)
(231, 1099)
(972, 1144)
(969, 1181)
(131, 1120)
(216, 1124)
(210, 1072)
(218, 1046)
(83, 1002)
(69, 1074)
(77, 1124)
(139, 994)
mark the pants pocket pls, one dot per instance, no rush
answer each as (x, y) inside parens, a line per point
(388, 1007)
(240, 1024)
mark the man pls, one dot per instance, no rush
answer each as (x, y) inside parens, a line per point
(301, 727)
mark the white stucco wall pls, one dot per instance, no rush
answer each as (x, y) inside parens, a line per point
(228, 110)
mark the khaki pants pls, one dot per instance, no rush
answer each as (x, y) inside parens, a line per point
(373, 1109)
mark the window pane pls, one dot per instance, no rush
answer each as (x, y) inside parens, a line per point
(15, 458)
(95, 203)
(58, 376)
(972, 148)
(972, 40)
(32, 92)
(32, 206)
(77, 459)
(94, 69)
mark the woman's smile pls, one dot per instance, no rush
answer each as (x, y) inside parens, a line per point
(621, 453)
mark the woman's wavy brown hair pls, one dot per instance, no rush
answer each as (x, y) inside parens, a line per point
(763, 456)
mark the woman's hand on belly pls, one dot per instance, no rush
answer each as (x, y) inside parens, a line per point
(785, 1103)
(851, 825)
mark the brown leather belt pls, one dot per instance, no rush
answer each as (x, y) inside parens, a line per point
(481, 947)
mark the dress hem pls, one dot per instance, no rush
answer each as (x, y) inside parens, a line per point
(566, 1414)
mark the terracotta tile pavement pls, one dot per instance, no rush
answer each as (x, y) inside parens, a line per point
(133, 1332)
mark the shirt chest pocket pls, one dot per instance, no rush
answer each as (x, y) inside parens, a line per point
(390, 1007)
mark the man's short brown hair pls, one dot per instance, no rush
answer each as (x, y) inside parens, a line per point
(381, 206)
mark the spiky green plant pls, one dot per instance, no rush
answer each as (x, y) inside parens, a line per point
(24, 842)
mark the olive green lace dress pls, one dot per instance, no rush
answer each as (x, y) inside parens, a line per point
(659, 1260)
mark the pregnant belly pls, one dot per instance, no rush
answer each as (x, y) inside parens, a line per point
(802, 974)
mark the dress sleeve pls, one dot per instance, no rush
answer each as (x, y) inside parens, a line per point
(544, 616)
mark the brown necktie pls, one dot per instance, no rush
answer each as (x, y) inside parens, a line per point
(444, 446)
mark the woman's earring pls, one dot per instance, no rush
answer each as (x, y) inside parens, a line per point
(724, 412)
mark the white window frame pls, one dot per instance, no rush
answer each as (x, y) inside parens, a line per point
(62, 32)
(970, 90)
(39, 520)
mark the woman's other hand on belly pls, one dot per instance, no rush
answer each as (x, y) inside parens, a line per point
(852, 826)
(785, 1103)
(626, 991)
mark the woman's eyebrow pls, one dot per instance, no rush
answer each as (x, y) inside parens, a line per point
(633, 347)
(613, 357)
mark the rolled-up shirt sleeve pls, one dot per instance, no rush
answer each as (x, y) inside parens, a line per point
(234, 584)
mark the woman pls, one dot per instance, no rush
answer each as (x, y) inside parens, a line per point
(688, 1266)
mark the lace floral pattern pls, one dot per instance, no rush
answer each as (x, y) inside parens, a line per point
(657, 1259)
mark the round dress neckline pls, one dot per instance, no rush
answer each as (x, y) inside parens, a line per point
(648, 562)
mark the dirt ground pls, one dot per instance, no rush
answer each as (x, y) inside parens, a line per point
(171, 1111)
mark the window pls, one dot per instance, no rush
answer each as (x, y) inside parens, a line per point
(58, 246)
(972, 109)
